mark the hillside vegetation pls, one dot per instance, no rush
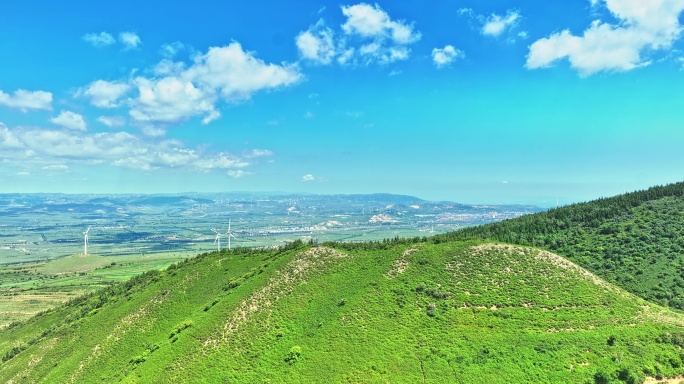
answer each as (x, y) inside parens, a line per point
(635, 240)
(467, 312)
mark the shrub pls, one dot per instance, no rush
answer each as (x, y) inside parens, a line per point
(294, 355)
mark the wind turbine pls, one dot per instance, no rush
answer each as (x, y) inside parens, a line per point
(229, 235)
(217, 240)
(85, 241)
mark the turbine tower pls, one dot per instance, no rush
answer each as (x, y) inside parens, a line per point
(229, 235)
(85, 241)
(217, 240)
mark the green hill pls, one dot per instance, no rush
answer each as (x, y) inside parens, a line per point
(635, 240)
(450, 312)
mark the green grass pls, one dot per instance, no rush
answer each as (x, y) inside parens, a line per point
(456, 312)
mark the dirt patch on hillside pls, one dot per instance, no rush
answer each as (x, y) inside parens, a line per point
(674, 380)
(282, 283)
(399, 266)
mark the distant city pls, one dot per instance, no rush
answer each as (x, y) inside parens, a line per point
(42, 227)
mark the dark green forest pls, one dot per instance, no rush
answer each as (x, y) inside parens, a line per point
(635, 240)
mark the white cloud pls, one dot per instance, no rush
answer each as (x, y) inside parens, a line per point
(104, 94)
(497, 24)
(367, 36)
(25, 100)
(237, 74)
(254, 153)
(171, 49)
(101, 39)
(317, 44)
(372, 22)
(23, 173)
(170, 100)
(386, 40)
(643, 27)
(238, 173)
(445, 56)
(223, 73)
(308, 177)
(112, 121)
(57, 149)
(71, 120)
(56, 167)
(309, 115)
(130, 40)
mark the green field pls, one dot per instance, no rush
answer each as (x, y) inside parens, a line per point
(30, 288)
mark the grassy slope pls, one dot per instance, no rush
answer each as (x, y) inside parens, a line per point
(635, 240)
(407, 313)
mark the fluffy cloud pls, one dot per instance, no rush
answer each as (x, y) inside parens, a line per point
(170, 100)
(104, 94)
(237, 74)
(44, 148)
(224, 73)
(308, 177)
(98, 40)
(495, 25)
(368, 35)
(317, 44)
(642, 27)
(71, 120)
(25, 100)
(372, 22)
(130, 40)
(445, 56)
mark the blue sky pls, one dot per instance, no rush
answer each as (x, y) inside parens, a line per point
(470, 101)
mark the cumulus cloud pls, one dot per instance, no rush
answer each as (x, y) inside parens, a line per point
(371, 21)
(642, 28)
(308, 177)
(445, 56)
(98, 40)
(129, 40)
(495, 25)
(112, 121)
(70, 120)
(45, 148)
(25, 100)
(368, 35)
(387, 40)
(104, 94)
(317, 44)
(224, 73)
(170, 100)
